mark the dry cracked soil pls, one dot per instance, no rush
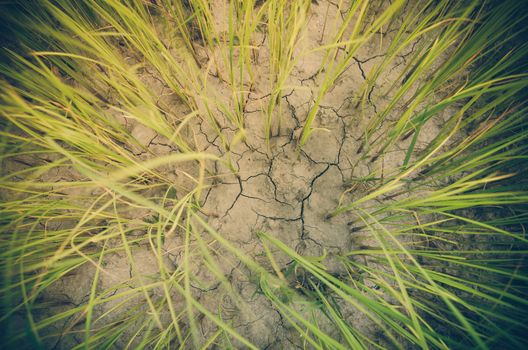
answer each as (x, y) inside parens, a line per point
(276, 188)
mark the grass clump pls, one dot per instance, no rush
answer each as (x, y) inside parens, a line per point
(263, 174)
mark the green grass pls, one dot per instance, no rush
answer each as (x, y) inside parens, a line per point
(440, 240)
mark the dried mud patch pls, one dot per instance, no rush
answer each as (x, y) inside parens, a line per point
(277, 188)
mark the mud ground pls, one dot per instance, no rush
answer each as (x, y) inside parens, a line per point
(276, 189)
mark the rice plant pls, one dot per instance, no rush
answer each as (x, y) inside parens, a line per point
(263, 174)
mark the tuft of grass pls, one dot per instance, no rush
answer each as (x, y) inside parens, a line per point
(443, 263)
